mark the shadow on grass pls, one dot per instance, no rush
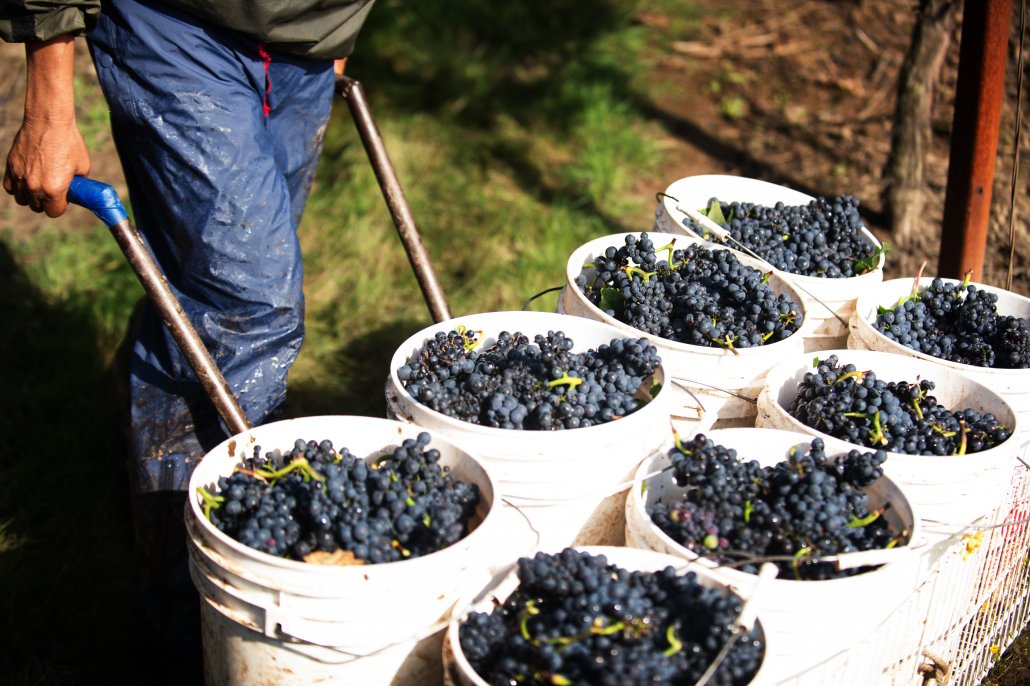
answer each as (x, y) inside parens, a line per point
(65, 536)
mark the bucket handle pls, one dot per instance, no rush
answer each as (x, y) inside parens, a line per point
(745, 620)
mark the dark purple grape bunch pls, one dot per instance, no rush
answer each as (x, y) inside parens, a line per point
(822, 238)
(576, 619)
(739, 514)
(691, 295)
(959, 323)
(897, 416)
(531, 384)
(314, 499)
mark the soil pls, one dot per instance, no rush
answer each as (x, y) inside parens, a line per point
(805, 97)
(801, 94)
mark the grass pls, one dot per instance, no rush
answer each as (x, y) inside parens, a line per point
(511, 130)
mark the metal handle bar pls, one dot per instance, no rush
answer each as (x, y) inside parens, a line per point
(103, 201)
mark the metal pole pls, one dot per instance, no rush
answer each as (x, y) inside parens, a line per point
(974, 138)
(178, 324)
(352, 92)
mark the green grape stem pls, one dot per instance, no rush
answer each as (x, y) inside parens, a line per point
(211, 501)
(859, 522)
(473, 337)
(298, 464)
(857, 375)
(644, 276)
(675, 644)
(531, 609)
(668, 247)
(726, 342)
(565, 380)
(802, 552)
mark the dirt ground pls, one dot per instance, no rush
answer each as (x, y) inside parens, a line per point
(805, 96)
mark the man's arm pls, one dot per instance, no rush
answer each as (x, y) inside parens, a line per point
(48, 150)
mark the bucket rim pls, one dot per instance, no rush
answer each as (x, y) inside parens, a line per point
(639, 419)
(752, 184)
(636, 506)
(495, 594)
(782, 373)
(574, 266)
(227, 451)
(864, 315)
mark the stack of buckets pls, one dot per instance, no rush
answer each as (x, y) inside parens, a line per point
(270, 620)
(267, 619)
(568, 484)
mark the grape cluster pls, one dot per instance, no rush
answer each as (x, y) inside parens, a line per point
(538, 384)
(822, 238)
(897, 416)
(404, 504)
(958, 323)
(739, 513)
(576, 619)
(692, 295)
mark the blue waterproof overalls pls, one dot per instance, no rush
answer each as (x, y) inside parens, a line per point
(219, 138)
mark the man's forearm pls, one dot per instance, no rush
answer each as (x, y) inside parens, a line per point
(49, 89)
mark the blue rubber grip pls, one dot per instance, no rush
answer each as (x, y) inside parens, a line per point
(99, 198)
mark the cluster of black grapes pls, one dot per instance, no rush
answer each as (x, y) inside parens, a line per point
(314, 498)
(897, 416)
(692, 295)
(537, 384)
(739, 513)
(576, 619)
(823, 238)
(958, 323)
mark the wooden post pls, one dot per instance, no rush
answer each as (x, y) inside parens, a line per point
(974, 137)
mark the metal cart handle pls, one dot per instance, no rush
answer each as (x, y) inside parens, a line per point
(102, 200)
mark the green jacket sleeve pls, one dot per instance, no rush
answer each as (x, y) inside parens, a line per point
(24, 21)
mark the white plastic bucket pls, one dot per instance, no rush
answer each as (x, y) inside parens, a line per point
(1012, 384)
(268, 619)
(809, 621)
(710, 384)
(570, 484)
(458, 671)
(950, 493)
(829, 302)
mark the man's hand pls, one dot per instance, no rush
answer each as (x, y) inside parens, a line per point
(48, 150)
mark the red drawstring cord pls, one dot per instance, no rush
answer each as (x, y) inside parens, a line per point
(268, 82)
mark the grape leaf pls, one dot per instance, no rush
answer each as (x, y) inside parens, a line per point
(611, 299)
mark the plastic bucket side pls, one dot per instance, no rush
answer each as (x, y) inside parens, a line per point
(571, 483)
(459, 672)
(829, 302)
(292, 622)
(710, 383)
(811, 622)
(1013, 384)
